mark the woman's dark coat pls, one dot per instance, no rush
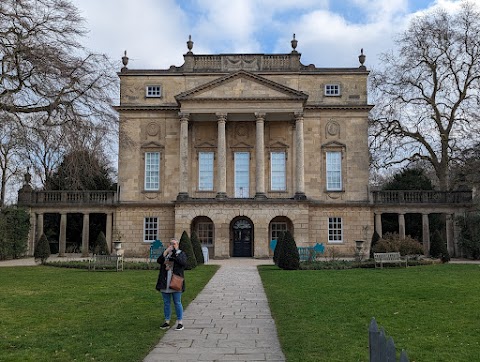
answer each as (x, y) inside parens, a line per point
(179, 264)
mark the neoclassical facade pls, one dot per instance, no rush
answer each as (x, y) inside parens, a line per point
(241, 147)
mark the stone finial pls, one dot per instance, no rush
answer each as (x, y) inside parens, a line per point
(189, 44)
(124, 61)
(361, 59)
(294, 43)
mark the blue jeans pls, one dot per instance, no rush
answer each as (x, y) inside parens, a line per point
(177, 302)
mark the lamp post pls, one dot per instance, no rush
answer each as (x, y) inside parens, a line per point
(358, 247)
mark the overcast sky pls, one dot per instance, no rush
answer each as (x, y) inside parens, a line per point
(330, 33)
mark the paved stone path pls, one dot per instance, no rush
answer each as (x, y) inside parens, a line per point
(230, 320)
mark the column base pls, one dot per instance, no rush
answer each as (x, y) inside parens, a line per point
(260, 196)
(221, 195)
(300, 196)
(183, 196)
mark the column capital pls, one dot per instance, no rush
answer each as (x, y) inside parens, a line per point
(221, 117)
(260, 116)
(298, 116)
(184, 116)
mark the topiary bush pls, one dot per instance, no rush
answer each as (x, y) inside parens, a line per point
(197, 248)
(438, 247)
(42, 249)
(288, 258)
(14, 229)
(375, 239)
(101, 246)
(186, 246)
(278, 247)
(392, 242)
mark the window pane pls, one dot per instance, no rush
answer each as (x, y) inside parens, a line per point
(205, 233)
(150, 229)
(278, 171)
(335, 230)
(205, 171)
(334, 171)
(152, 170)
(242, 177)
(278, 228)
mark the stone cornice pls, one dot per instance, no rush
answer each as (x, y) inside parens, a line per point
(344, 107)
(172, 108)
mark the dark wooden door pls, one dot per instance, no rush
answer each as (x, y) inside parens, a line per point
(242, 238)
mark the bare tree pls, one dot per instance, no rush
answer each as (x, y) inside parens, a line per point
(9, 151)
(46, 71)
(427, 95)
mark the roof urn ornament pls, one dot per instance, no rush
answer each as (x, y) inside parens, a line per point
(361, 59)
(294, 44)
(124, 61)
(189, 44)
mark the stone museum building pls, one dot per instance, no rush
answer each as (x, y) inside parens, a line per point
(240, 148)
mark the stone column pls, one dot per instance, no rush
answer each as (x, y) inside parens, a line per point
(222, 156)
(401, 225)
(62, 243)
(85, 233)
(299, 158)
(456, 236)
(378, 224)
(108, 230)
(426, 234)
(184, 147)
(449, 232)
(39, 226)
(260, 157)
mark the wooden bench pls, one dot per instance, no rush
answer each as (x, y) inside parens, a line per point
(106, 262)
(156, 249)
(389, 258)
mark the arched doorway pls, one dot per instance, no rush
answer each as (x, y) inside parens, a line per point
(242, 235)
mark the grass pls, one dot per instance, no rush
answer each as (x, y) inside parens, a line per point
(57, 314)
(430, 311)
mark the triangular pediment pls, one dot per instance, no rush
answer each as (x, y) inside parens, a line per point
(242, 85)
(278, 145)
(206, 145)
(152, 144)
(333, 144)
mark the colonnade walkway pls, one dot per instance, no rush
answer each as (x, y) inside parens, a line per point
(230, 320)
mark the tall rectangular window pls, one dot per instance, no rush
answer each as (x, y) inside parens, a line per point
(152, 171)
(278, 228)
(242, 174)
(205, 171)
(150, 229)
(205, 233)
(334, 171)
(278, 171)
(335, 232)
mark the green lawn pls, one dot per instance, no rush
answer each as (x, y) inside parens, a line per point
(433, 312)
(58, 314)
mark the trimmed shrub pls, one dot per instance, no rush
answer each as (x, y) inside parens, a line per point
(197, 248)
(101, 246)
(469, 239)
(391, 242)
(375, 239)
(288, 258)
(186, 246)
(42, 249)
(278, 247)
(438, 247)
(14, 228)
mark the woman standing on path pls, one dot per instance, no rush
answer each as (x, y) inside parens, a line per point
(172, 261)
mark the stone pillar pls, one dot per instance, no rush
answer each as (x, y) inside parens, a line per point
(299, 158)
(456, 236)
(378, 224)
(62, 243)
(85, 233)
(108, 230)
(39, 226)
(260, 157)
(401, 225)
(184, 148)
(449, 232)
(426, 234)
(222, 156)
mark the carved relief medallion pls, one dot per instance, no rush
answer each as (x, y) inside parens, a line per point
(332, 129)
